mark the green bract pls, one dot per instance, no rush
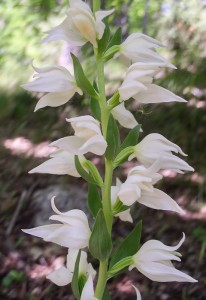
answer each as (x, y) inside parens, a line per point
(100, 244)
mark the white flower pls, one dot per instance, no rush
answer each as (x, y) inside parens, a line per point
(154, 261)
(139, 47)
(80, 26)
(60, 163)
(57, 82)
(88, 290)
(124, 215)
(138, 85)
(137, 293)
(124, 116)
(74, 232)
(64, 275)
(87, 137)
(155, 146)
(139, 187)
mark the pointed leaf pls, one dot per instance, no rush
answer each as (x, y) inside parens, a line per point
(106, 295)
(113, 139)
(94, 200)
(75, 278)
(123, 156)
(116, 39)
(94, 172)
(95, 109)
(120, 266)
(86, 176)
(129, 246)
(81, 78)
(131, 139)
(100, 243)
(81, 282)
(103, 43)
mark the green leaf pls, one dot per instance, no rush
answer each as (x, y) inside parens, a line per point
(95, 109)
(116, 39)
(120, 266)
(94, 172)
(81, 78)
(75, 278)
(81, 282)
(94, 200)
(113, 139)
(86, 176)
(132, 138)
(100, 244)
(103, 43)
(118, 207)
(106, 295)
(129, 246)
(123, 156)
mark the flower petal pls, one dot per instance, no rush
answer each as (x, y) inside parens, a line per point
(162, 273)
(125, 216)
(61, 276)
(55, 99)
(137, 293)
(61, 164)
(157, 199)
(124, 116)
(156, 94)
(88, 290)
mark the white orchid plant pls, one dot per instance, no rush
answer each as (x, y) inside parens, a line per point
(99, 134)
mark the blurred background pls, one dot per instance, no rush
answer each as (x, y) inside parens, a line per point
(24, 137)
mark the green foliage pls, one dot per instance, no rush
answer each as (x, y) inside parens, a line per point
(113, 139)
(94, 200)
(94, 172)
(129, 246)
(13, 276)
(106, 295)
(95, 109)
(102, 44)
(131, 139)
(21, 26)
(75, 278)
(127, 147)
(100, 244)
(81, 78)
(89, 178)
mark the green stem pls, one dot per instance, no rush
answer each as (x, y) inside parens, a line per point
(106, 189)
(106, 194)
(102, 279)
(102, 101)
(96, 5)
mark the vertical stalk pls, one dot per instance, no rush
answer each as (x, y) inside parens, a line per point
(105, 113)
(102, 279)
(106, 189)
(96, 5)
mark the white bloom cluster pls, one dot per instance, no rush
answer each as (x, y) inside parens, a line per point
(154, 152)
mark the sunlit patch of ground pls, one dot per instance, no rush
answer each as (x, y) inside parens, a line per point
(23, 146)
